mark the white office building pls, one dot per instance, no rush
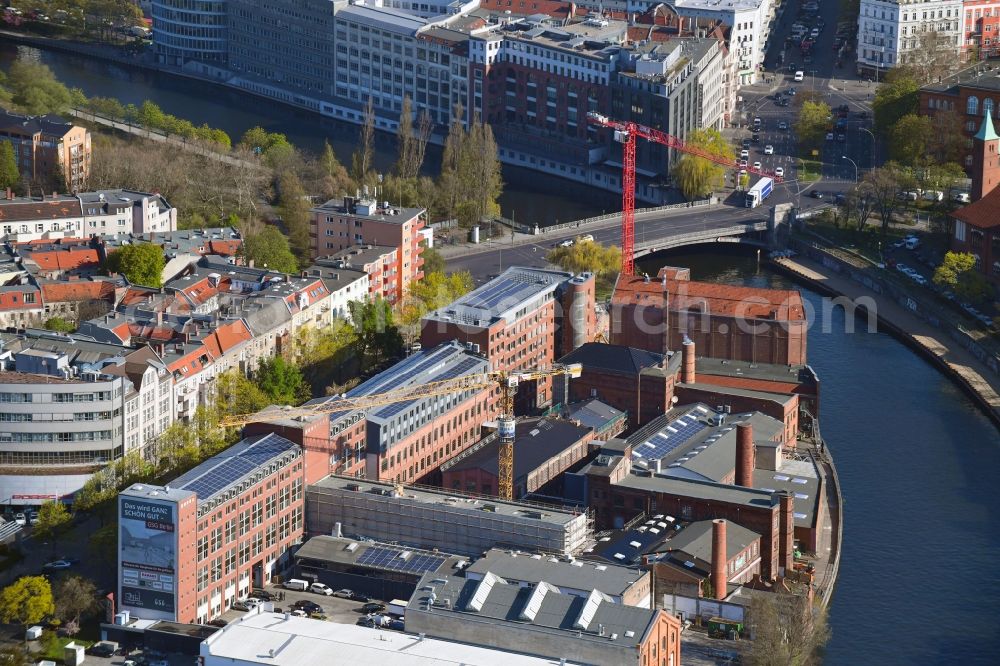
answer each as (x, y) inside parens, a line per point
(891, 32)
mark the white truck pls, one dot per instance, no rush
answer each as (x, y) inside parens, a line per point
(396, 607)
(761, 190)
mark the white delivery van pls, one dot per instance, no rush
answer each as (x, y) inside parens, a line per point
(396, 607)
(296, 584)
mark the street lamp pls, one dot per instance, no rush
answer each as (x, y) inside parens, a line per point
(874, 145)
(855, 166)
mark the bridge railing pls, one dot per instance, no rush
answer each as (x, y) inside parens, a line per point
(530, 229)
(695, 236)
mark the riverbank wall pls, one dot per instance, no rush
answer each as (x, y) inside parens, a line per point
(970, 365)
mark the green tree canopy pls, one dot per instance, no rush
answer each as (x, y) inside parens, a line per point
(321, 352)
(237, 394)
(813, 123)
(958, 272)
(281, 381)
(269, 247)
(434, 291)
(433, 261)
(378, 337)
(897, 96)
(26, 601)
(295, 210)
(273, 147)
(587, 256)
(140, 263)
(9, 173)
(35, 89)
(910, 138)
(53, 517)
(697, 176)
(59, 325)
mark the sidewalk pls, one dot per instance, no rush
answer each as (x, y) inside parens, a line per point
(972, 373)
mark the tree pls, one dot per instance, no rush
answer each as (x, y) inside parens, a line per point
(140, 263)
(897, 96)
(75, 596)
(480, 174)
(295, 210)
(958, 273)
(335, 176)
(53, 517)
(59, 325)
(786, 631)
(321, 352)
(934, 58)
(363, 157)
(433, 261)
(885, 184)
(13, 655)
(947, 142)
(273, 147)
(9, 173)
(909, 139)
(281, 381)
(27, 601)
(35, 89)
(813, 122)
(234, 393)
(859, 204)
(103, 544)
(378, 338)
(587, 256)
(269, 247)
(696, 176)
(449, 180)
(434, 291)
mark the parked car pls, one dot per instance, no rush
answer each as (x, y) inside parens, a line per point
(57, 565)
(103, 649)
(218, 622)
(373, 607)
(20, 519)
(307, 606)
(320, 588)
(262, 594)
(33, 517)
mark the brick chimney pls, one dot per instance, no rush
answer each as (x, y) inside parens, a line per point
(786, 532)
(720, 559)
(744, 455)
(688, 355)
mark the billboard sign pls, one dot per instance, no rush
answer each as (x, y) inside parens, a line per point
(147, 557)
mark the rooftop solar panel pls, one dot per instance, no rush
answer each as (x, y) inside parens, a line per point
(390, 559)
(221, 471)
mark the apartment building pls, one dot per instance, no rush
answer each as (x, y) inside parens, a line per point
(892, 32)
(408, 441)
(379, 263)
(341, 224)
(190, 548)
(523, 319)
(981, 29)
(69, 406)
(103, 213)
(49, 151)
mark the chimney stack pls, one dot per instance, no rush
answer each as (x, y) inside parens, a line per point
(687, 356)
(744, 455)
(720, 559)
(10, 194)
(786, 533)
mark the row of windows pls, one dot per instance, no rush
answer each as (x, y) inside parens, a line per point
(51, 437)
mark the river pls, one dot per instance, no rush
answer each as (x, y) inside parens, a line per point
(917, 463)
(527, 194)
(917, 460)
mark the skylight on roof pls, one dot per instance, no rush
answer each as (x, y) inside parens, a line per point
(801, 496)
(800, 516)
(799, 481)
(781, 477)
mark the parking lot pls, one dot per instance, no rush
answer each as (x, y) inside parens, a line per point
(344, 611)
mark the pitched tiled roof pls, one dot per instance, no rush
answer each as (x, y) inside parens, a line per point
(227, 337)
(55, 292)
(39, 210)
(983, 214)
(66, 260)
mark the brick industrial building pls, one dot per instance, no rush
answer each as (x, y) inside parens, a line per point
(543, 449)
(976, 227)
(729, 322)
(189, 549)
(523, 319)
(49, 150)
(340, 224)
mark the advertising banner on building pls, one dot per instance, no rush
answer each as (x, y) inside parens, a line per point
(148, 557)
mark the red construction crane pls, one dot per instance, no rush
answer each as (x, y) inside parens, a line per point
(625, 134)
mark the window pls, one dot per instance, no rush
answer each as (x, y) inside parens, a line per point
(972, 105)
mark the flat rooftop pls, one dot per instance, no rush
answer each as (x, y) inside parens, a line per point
(610, 579)
(799, 477)
(377, 555)
(240, 461)
(981, 76)
(379, 212)
(701, 490)
(501, 297)
(782, 305)
(717, 5)
(285, 640)
(791, 375)
(451, 500)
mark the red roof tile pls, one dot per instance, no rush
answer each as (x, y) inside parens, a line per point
(64, 292)
(66, 260)
(982, 214)
(224, 248)
(227, 337)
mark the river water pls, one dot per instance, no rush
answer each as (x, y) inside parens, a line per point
(918, 464)
(527, 195)
(917, 461)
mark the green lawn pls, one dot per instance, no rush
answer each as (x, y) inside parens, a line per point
(53, 646)
(810, 170)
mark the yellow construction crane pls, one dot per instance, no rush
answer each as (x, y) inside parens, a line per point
(506, 381)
